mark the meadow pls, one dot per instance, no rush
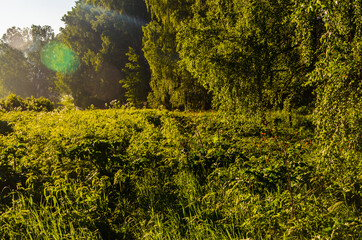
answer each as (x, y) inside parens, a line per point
(157, 174)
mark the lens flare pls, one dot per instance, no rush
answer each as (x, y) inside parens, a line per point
(60, 58)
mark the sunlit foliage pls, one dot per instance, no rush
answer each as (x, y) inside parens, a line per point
(148, 174)
(100, 33)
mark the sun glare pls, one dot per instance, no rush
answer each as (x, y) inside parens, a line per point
(60, 58)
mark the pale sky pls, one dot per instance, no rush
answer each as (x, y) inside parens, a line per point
(24, 13)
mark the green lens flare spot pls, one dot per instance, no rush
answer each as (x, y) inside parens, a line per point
(60, 58)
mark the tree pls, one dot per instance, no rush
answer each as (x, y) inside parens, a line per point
(136, 80)
(100, 33)
(242, 51)
(14, 72)
(21, 69)
(337, 73)
(172, 85)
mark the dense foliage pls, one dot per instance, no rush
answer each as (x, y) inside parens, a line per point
(173, 87)
(17, 103)
(259, 55)
(280, 159)
(338, 78)
(147, 174)
(100, 33)
(133, 81)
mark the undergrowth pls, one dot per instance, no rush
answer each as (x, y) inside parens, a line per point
(151, 174)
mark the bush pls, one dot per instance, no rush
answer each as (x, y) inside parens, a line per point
(17, 103)
(12, 103)
(39, 104)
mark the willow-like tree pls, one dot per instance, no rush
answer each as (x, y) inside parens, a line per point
(243, 51)
(172, 85)
(337, 71)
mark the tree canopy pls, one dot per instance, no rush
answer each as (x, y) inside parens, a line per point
(21, 69)
(100, 33)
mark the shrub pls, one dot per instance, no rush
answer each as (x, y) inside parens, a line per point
(39, 104)
(17, 103)
(12, 103)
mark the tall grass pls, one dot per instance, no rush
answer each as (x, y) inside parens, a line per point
(149, 174)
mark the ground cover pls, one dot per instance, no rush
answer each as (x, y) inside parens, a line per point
(156, 174)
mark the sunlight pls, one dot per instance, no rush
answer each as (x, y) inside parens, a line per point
(115, 14)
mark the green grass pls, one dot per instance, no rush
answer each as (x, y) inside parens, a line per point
(150, 174)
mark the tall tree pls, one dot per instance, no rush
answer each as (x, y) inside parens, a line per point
(21, 69)
(14, 72)
(243, 51)
(337, 71)
(172, 85)
(100, 33)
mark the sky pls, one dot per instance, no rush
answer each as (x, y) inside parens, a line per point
(24, 13)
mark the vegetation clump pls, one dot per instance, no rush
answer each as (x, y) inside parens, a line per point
(16, 103)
